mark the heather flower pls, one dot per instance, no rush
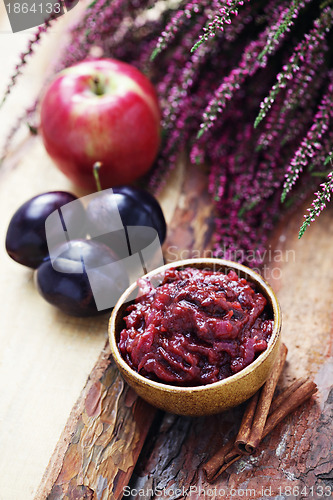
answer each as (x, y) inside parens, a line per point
(225, 10)
(27, 54)
(299, 94)
(311, 42)
(311, 142)
(286, 20)
(102, 23)
(247, 67)
(176, 23)
(217, 89)
(320, 201)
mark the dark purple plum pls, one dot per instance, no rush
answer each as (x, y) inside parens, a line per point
(85, 279)
(136, 208)
(26, 239)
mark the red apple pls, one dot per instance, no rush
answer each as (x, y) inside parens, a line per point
(101, 110)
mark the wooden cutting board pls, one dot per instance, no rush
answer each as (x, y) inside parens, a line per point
(60, 391)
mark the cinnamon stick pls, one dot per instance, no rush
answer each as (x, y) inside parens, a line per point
(246, 424)
(304, 392)
(250, 433)
(281, 398)
(215, 474)
(284, 404)
(213, 466)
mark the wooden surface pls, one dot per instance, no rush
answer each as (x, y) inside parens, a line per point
(58, 386)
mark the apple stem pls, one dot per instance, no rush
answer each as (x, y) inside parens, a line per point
(33, 130)
(97, 165)
(98, 87)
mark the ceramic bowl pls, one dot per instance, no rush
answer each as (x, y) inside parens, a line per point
(211, 398)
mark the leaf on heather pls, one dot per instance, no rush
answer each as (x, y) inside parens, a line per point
(325, 3)
(329, 159)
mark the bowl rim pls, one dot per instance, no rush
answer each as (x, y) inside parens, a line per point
(253, 276)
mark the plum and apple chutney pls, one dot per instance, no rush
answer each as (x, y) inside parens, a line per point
(197, 327)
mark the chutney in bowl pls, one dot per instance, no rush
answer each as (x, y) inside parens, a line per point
(197, 336)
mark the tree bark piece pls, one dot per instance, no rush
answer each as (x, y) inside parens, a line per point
(104, 435)
(102, 440)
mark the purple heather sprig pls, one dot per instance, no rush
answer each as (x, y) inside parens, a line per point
(174, 26)
(318, 167)
(300, 93)
(184, 72)
(320, 201)
(311, 42)
(246, 15)
(191, 71)
(99, 26)
(247, 67)
(226, 10)
(311, 142)
(287, 19)
(26, 54)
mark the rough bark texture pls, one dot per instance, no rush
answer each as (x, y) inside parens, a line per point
(100, 445)
(295, 461)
